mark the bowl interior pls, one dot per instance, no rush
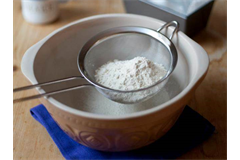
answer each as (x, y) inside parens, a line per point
(57, 58)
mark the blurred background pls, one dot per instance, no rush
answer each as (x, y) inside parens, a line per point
(35, 19)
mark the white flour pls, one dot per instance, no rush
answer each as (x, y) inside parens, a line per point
(130, 74)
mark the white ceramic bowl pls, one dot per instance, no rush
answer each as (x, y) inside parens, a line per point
(90, 118)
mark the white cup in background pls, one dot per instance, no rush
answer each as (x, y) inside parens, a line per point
(40, 11)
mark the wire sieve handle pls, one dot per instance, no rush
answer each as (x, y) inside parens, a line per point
(172, 23)
(49, 93)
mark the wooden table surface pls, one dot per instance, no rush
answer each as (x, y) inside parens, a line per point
(31, 140)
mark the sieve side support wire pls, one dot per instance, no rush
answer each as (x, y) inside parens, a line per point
(172, 23)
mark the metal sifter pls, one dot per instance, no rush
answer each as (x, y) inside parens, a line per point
(121, 43)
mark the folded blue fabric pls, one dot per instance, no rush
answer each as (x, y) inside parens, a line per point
(190, 130)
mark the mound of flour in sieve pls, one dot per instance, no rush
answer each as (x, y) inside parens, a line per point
(133, 74)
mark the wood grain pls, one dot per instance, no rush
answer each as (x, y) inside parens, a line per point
(31, 140)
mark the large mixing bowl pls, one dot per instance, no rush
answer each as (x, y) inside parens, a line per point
(90, 118)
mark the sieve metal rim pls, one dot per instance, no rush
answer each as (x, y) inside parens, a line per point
(156, 34)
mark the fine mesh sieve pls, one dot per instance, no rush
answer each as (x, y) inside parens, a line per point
(121, 43)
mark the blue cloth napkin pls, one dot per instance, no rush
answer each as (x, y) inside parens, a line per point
(190, 130)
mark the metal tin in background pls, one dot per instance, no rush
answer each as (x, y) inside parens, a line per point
(190, 23)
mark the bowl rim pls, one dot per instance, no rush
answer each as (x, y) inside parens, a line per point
(202, 67)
